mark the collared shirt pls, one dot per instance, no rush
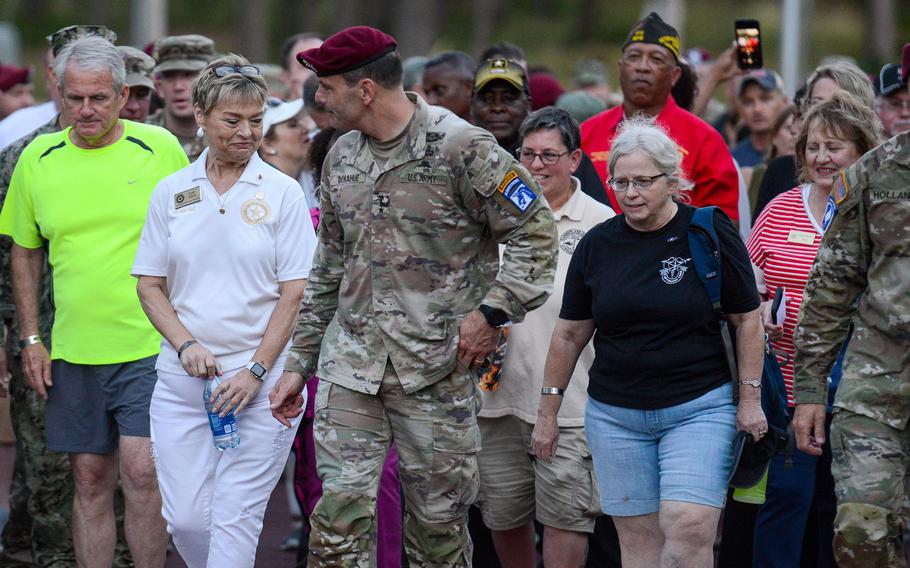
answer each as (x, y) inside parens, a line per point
(706, 159)
(522, 370)
(408, 248)
(223, 269)
(865, 253)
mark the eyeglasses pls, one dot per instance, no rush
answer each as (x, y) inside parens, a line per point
(245, 70)
(546, 158)
(643, 183)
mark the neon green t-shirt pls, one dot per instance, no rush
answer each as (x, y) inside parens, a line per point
(89, 207)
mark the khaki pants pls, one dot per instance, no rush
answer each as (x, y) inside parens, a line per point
(435, 432)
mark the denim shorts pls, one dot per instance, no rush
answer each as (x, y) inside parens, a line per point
(679, 453)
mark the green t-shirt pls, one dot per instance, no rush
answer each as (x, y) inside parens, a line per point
(90, 206)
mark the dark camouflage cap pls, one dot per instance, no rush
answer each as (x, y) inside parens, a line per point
(63, 36)
(138, 65)
(184, 53)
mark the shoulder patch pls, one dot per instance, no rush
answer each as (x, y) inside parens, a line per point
(841, 188)
(139, 143)
(516, 191)
(52, 148)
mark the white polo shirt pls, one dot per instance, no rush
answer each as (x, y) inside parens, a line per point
(529, 341)
(223, 269)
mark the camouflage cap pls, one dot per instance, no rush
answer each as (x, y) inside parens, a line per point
(138, 65)
(63, 36)
(183, 53)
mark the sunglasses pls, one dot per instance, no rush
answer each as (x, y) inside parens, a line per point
(245, 70)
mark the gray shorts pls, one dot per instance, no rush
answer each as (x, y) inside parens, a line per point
(91, 406)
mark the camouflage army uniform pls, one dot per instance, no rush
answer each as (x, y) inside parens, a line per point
(44, 479)
(865, 253)
(192, 145)
(401, 258)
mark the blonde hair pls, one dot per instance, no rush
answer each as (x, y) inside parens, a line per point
(209, 90)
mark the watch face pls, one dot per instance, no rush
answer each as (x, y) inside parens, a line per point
(257, 370)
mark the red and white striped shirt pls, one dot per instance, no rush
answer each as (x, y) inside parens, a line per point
(783, 245)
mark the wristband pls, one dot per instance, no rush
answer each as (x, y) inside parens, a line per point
(552, 390)
(29, 340)
(184, 346)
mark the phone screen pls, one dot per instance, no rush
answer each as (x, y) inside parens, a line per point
(748, 44)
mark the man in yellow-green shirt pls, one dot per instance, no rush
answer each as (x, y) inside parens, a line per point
(85, 192)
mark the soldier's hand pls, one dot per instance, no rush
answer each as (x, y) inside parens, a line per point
(286, 400)
(809, 427)
(236, 392)
(545, 437)
(476, 339)
(199, 362)
(36, 366)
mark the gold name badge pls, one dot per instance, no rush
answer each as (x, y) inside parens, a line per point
(801, 237)
(187, 197)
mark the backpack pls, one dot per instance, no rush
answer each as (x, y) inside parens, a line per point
(704, 247)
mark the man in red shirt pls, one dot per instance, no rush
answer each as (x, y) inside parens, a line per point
(648, 69)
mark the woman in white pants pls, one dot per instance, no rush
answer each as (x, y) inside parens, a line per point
(222, 264)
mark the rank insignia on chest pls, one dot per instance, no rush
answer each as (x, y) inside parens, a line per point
(187, 197)
(841, 188)
(516, 191)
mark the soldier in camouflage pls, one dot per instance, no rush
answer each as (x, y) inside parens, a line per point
(180, 59)
(398, 306)
(865, 253)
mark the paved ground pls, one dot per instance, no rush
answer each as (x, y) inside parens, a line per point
(276, 527)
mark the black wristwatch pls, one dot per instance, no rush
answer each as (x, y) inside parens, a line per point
(495, 317)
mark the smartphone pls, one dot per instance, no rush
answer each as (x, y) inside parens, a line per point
(776, 304)
(748, 45)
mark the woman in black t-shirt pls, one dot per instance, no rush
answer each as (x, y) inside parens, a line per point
(660, 418)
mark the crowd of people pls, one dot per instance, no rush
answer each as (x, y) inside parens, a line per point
(465, 300)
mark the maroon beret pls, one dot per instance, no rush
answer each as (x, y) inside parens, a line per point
(347, 50)
(545, 89)
(10, 76)
(905, 63)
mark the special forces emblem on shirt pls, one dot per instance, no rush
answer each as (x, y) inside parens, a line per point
(674, 269)
(569, 240)
(255, 211)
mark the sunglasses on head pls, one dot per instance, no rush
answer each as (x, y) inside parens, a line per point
(245, 70)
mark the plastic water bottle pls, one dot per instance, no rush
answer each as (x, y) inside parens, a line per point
(224, 430)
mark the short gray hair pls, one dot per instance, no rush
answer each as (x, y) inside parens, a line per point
(91, 53)
(552, 118)
(641, 133)
(209, 89)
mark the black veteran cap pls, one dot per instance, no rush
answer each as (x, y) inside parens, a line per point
(63, 36)
(654, 30)
(349, 49)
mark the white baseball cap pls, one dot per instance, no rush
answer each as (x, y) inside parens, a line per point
(278, 111)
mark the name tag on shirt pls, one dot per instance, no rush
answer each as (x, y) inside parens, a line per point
(187, 197)
(801, 237)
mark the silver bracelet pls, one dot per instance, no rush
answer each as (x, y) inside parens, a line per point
(29, 340)
(552, 390)
(754, 383)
